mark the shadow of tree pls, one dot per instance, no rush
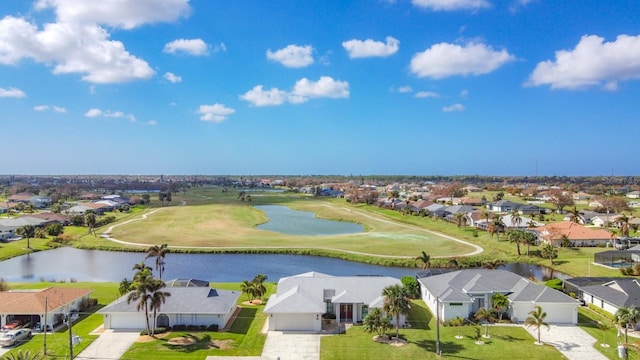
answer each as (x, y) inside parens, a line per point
(446, 347)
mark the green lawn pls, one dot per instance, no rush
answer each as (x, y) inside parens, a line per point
(588, 320)
(506, 342)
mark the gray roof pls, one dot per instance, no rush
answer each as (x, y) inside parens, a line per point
(187, 283)
(460, 285)
(459, 209)
(621, 292)
(185, 300)
(22, 221)
(305, 293)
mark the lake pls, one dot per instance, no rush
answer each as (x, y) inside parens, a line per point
(285, 220)
(64, 264)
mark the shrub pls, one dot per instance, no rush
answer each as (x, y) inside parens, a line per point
(158, 330)
(555, 284)
(213, 327)
(411, 284)
(55, 229)
(601, 312)
(179, 327)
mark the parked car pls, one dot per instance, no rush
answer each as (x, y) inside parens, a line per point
(40, 328)
(14, 336)
(12, 325)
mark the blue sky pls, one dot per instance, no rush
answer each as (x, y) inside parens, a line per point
(377, 87)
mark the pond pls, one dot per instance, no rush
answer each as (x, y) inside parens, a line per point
(293, 222)
(64, 264)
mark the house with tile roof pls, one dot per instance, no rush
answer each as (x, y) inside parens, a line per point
(577, 234)
(613, 295)
(30, 306)
(186, 305)
(301, 300)
(461, 293)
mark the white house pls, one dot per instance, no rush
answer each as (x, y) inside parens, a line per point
(185, 306)
(613, 295)
(301, 300)
(461, 293)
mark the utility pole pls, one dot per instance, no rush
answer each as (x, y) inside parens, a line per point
(44, 325)
(438, 326)
(70, 336)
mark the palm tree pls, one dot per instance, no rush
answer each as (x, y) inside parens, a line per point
(249, 288)
(623, 223)
(426, 260)
(27, 231)
(396, 302)
(90, 219)
(460, 219)
(574, 215)
(529, 238)
(516, 219)
(158, 252)
(124, 287)
(142, 286)
(486, 215)
(259, 280)
(498, 225)
(536, 319)
(500, 303)
(156, 299)
(549, 251)
(516, 236)
(485, 315)
(376, 322)
(627, 316)
(457, 322)
(23, 355)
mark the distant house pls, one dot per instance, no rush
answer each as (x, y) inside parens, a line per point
(28, 306)
(185, 306)
(502, 206)
(577, 234)
(604, 220)
(584, 217)
(461, 293)
(633, 194)
(613, 295)
(301, 300)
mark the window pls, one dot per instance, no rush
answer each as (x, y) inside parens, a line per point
(365, 311)
(330, 309)
(455, 304)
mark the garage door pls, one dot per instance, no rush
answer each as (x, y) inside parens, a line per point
(561, 314)
(294, 322)
(126, 321)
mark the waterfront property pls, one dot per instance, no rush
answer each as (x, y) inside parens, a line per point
(461, 293)
(302, 300)
(28, 307)
(184, 306)
(614, 294)
(577, 234)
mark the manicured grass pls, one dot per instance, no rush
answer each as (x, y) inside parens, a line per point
(58, 342)
(588, 320)
(244, 337)
(506, 342)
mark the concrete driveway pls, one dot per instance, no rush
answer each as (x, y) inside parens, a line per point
(570, 340)
(291, 346)
(111, 344)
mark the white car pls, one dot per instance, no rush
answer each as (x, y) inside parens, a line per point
(14, 336)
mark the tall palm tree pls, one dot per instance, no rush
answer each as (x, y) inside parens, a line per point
(498, 225)
(156, 299)
(158, 252)
(500, 302)
(623, 223)
(460, 219)
(485, 315)
(516, 219)
(536, 319)
(142, 286)
(249, 288)
(259, 280)
(549, 251)
(23, 355)
(425, 259)
(574, 215)
(529, 238)
(486, 215)
(516, 236)
(627, 316)
(90, 219)
(396, 302)
(27, 231)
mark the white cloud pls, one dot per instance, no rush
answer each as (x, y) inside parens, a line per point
(517, 5)
(259, 97)
(94, 113)
(220, 48)
(215, 113)
(453, 108)
(125, 14)
(451, 5)
(405, 89)
(71, 48)
(593, 62)
(371, 48)
(464, 93)
(195, 47)
(325, 87)
(152, 123)
(47, 108)
(11, 92)
(426, 94)
(303, 90)
(444, 60)
(292, 56)
(173, 78)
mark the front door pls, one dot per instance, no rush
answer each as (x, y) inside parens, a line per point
(346, 312)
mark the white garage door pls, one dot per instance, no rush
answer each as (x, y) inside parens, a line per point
(127, 321)
(294, 322)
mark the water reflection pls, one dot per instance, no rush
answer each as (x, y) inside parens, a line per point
(285, 220)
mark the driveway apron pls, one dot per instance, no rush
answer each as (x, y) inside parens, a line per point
(570, 340)
(109, 345)
(291, 346)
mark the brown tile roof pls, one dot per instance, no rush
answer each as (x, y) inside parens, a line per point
(574, 231)
(51, 217)
(33, 301)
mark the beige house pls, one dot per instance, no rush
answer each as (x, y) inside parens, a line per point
(579, 235)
